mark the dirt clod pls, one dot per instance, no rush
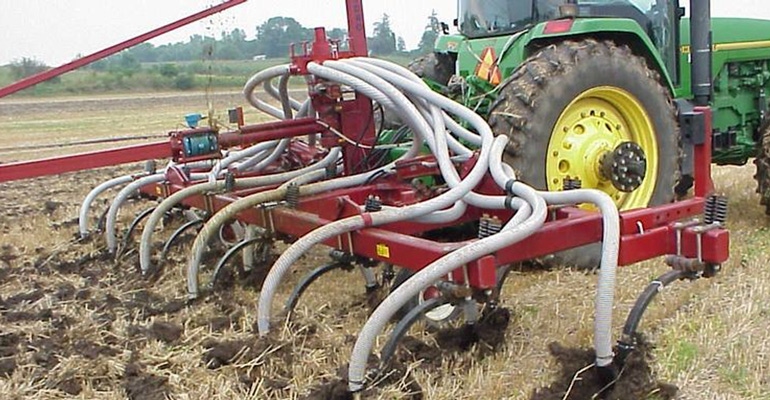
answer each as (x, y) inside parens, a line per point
(489, 332)
(50, 206)
(143, 386)
(220, 354)
(8, 344)
(7, 366)
(46, 352)
(334, 390)
(65, 291)
(29, 297)
(92, 351)
(635, 380)
(71, 386)
(166, 332)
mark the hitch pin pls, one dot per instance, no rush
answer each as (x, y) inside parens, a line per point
(680, 226)
(699, 231)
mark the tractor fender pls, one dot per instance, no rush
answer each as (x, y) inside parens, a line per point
(622, 31)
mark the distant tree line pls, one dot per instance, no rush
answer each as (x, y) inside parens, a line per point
(272, 40)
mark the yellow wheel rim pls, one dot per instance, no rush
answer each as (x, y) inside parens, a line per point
(592, 125)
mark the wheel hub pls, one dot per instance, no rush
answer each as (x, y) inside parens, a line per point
(605, 138)
(625, 166)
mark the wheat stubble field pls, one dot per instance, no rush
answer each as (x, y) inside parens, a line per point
(76, 324)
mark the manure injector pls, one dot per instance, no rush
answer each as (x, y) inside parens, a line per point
(329, 173)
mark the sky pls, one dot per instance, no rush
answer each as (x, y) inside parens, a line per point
(55, 31)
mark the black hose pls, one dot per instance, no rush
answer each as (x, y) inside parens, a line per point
(626, 343)
(230, 253)
(177, 233)
(307, 281)
(404, 324)
(127, 236)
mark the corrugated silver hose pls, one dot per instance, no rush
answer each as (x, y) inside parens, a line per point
(258, 79)
(227, 213)
(417, 118)
(605, 291)
(117, 202)
(373, 219)
(406, 80)
(92, 195)
(459, 130)
(145, 244)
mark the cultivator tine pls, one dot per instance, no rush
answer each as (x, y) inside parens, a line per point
(127, 236)
(229, 254)
(414, 315)
(627, 342)
(307, 280)
(101, 223)
(177, 233)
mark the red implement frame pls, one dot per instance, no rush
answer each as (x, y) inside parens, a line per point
(645, 233)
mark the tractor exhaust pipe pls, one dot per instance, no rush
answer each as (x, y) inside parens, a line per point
(700, 50)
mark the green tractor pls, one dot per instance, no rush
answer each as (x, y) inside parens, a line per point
(591, 91)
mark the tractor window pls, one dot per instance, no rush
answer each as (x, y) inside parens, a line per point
(480, 18)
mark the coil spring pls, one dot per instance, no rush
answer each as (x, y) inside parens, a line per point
(373, 204)
(484, 226)
(489, 226)
(715, 210)
(292, 195)
(571, 183)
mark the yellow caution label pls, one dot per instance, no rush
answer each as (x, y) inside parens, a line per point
(487, 68)
(383, 250)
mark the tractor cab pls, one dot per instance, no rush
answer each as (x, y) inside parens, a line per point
(659, 19)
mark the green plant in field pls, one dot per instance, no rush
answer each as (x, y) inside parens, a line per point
(735, 375)
(681, 356)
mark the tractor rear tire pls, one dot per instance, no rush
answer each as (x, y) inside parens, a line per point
(437, 67)
(763, 167)
(568, 97)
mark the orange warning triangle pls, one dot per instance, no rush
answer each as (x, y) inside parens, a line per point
(487, 68)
